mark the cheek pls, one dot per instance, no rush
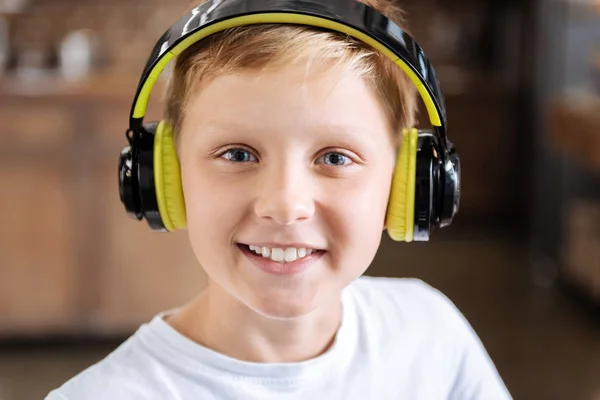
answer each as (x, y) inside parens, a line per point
(359, 212)
(208, 197)
(368, 197)
(211, 212)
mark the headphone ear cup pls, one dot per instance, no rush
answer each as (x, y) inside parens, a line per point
(167, 178)
(401, 207)
(128, 184)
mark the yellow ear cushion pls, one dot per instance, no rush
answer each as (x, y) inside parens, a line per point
(167, 179)
(401, 207)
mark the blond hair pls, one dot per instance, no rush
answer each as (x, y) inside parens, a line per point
(256, 47)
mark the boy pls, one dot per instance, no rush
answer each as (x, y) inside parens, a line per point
(287, 139)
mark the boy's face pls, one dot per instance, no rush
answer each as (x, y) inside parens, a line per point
(281, 160)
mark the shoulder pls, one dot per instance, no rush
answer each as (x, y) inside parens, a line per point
(412, 309)
(406, 297)
(429, 321)
(120, 375)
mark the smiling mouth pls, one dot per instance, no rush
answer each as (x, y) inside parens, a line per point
(280, 255)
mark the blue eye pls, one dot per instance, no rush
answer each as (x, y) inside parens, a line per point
(238, 156)
(336, 159)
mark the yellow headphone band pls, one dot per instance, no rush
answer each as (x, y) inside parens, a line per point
(350, 17)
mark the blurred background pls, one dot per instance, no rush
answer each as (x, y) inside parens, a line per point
(522, 261)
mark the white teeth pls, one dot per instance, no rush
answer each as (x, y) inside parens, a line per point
(289, 254)
(265, 252)
(277, 254)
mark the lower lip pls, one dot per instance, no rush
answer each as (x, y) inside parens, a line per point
(281, 268)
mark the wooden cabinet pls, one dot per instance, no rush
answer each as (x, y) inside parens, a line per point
(47, 126)
(575, 130)
(575, 135)
(70, 258)
(37, 248)
(581, 247)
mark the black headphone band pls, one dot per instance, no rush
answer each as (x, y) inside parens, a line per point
(348, 16)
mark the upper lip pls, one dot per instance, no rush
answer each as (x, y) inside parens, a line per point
(272, 245)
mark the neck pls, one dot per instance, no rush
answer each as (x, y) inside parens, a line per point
(218, 321)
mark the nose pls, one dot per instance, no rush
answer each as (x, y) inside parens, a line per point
(285, 196)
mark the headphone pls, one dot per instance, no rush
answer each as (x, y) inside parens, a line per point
(425, 192)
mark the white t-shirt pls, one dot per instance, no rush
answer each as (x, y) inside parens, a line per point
(399, 339)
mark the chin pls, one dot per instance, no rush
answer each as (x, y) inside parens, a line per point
(281, 306)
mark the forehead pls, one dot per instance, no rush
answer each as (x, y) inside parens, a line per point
(287, 99)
